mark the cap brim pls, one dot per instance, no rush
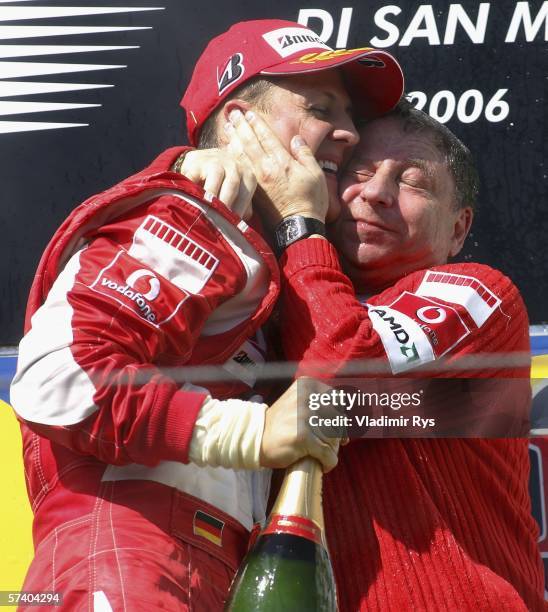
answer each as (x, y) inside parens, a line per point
(374, 78)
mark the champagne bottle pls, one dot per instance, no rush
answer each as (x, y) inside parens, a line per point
(288, 569)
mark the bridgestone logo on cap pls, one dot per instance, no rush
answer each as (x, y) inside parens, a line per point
(232, 72)
(287, 41)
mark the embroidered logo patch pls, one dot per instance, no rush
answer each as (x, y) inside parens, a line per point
(406, 344)
(417, 327)
(442, 324)
(208, 527)
(173, 255)
(330, 54)
(467, 291)
(247, 362)
(286, 41)
(140, 289)
(232, 72)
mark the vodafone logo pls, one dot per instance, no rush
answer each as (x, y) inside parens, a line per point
(153, 283)
(441, 323)
(134, 287)
(432, 314)
(142, 290)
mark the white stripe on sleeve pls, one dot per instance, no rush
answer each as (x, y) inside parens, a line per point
(49, 386)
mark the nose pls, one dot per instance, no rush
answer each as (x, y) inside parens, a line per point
(380, 189)
(346, 132)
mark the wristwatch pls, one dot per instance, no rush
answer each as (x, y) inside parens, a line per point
(295, 228)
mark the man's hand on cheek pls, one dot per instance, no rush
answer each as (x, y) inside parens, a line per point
(219, 173)
(289, 182)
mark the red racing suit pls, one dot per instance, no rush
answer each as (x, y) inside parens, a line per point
(420, 524)
(145, 277)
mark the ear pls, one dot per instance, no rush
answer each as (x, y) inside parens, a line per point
(226, 109)
(234, 104)
(461, 227)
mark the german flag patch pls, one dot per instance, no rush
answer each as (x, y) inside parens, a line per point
(208, 527)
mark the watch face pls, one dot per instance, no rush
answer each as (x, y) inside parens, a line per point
(292, 230)
(288, 231)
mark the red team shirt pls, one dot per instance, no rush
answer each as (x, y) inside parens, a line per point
(416, 524)
(144, 278)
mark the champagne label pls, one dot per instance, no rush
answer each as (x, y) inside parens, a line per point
(294, 525)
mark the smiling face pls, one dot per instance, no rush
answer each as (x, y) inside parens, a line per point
(399, 211)
(317, 107)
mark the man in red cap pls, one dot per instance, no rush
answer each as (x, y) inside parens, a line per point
(144, 486)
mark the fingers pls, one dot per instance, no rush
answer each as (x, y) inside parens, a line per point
(288, 437)
(326, 455)
(222, 175)
(324, 449)
(191, 169)
(258, 141)
(230, 187)
(205, 168)
(214, 179)
(268, 140)
(323, 442)
(247, 142)
(243, 203)
(245, 183)
(303, 154)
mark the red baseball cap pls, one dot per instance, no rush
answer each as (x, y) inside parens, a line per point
(277, 48)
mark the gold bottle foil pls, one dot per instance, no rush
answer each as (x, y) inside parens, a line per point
(301, 493)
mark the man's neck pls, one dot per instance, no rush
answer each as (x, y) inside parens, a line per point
(368, 282)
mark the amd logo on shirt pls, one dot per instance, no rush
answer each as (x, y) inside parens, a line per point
(417, 328)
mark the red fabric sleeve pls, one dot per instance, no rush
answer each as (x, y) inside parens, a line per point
(325, 323)
(90, 373)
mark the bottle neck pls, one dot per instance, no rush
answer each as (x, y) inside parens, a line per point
(298, 507)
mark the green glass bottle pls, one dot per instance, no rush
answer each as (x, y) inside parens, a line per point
(288, 569)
